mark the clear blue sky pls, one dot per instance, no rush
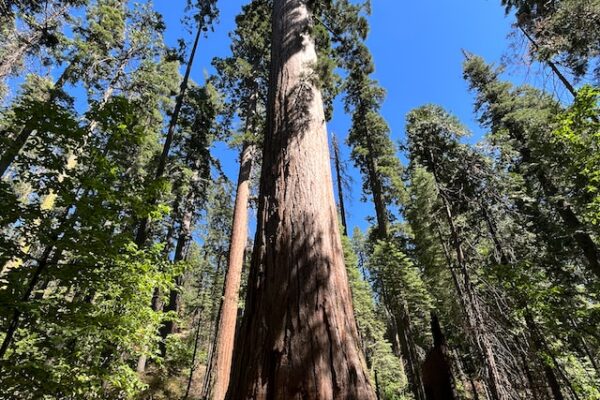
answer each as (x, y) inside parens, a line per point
(417, 51)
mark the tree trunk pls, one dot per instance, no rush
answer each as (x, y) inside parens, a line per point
(169, 327)
(299, 338)
(499, 387)
(213, 331)
(401, 314)
(474, 389)
(25, 42)
(551, 64)
(25, 297)
(339, 181)
(538, 345)
(377, 190)
(408, 350)
(438, 379)
(190, 379)
(572, 222)
(532, 327)
(530, 378)
(143, 227)
(229, 308)
(34, 280)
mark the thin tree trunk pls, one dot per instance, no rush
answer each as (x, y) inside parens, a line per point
(199, 314)
(69, 217)
(574, 225)
(377, 388)
(229, 308)
(34, 280)
(213, 332)
(298, 338)
(530, 378)
(455, 359)
(143, 228)
(169, 327)
(15, 55)
(539, 346)
(589, 354)
(582, 237)
(15, 318)
(193, 362)
(377, 190)
(408, 349)
(156, 305)
(474, 388)
(401, 316)
(532, 327)
(340, 183)
(572, 222)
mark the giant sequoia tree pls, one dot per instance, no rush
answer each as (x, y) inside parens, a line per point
(298, 337)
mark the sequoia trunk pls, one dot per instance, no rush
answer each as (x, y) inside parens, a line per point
(229, 308)
(298, 338)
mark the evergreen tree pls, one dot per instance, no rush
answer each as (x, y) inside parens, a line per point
(522, 120)
(433, 143)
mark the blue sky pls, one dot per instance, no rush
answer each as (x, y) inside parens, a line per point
(416, 46)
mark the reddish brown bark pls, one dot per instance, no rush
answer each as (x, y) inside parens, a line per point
(229, 308)
(298, 338)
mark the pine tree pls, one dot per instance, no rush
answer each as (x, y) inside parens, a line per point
(524, 117)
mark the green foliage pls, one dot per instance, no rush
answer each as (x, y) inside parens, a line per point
(400, 282)
(423, 213)
(92, 314)
(243, 77)
(579, 131)
(490, 216)
(372, 149)
(371, 326)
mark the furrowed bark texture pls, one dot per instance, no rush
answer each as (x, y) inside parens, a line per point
(298, 339)
(229, 308)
